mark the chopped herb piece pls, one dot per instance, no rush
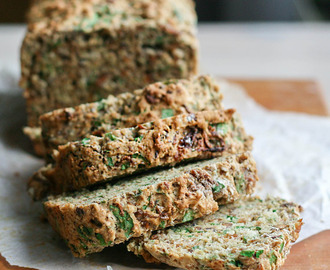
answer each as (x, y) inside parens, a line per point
(141, 157)
(274, 210)
(138, 193)
(97, 123)
(244, 240)
(236, 263)
(188, 229)
(240, 184)
(144, 207)
(167, 113)
(125, 221)
(196, 247)
(222, 128)
(247, 253)
(217, 188)
(100, 238)
(85, 141)
(100, 106)
(258, 228)
(168, 82)
(162, 224)
(124, 166)
(232, 218)
(189, 215)
(81, 233)
(272, 258)
(110, 162)
(282, 246)
(88, 231)
(111, 136)
(85, 165)
(258, 253)
(138, 139)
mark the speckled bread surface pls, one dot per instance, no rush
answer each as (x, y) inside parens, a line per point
(89, 221)
(80, 51)
(158, 100)
(123, 152)
(249, 234)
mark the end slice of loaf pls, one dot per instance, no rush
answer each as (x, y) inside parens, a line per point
(89, 221)
(80, 51)
(127, 151)
(155, 101)
(248, 234)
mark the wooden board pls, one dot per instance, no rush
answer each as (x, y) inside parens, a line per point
(284, 95)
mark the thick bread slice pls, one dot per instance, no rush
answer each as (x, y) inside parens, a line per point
(158, 100)
(127, 151)
(89, 221)
(248, 234)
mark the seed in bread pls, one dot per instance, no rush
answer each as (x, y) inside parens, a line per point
(89, 221)
(164, 142)
(248, 234)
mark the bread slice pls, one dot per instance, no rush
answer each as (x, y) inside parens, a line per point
(248, 234)
(158, 100)
(89, 221)
(127, 151)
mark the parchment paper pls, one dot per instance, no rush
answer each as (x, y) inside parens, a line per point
(292, 152)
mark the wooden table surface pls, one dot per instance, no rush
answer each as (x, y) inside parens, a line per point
(284, 95)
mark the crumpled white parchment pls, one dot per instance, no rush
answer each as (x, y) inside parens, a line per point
(292, 152)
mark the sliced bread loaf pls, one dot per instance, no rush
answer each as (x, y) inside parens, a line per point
(127, 151)
(92, 220)
(158, 100)
(80, 51)
(248, 234)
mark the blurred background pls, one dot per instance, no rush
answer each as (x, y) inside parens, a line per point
(12, 11)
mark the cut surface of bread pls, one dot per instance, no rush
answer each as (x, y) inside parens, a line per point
(164, 142)
(249, 234)
(155, 101)
(89, 221)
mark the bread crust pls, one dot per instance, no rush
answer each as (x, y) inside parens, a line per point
(91, 220)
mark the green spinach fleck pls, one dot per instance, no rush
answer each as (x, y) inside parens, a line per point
(85, 141)
(272, 258)
(124, 220)
(218, 187)
(189, 215)
(110, 162)
(111, 136)
(258, 253)
(167, 113)
(100, 238)
(247, 253)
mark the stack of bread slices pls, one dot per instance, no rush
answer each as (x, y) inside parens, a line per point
(167, 170)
